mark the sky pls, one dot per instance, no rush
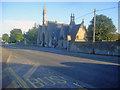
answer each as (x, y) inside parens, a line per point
(23, 15)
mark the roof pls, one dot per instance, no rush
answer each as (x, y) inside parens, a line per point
(74, 31)
(65, 28)
(64, 32)
(54, 29)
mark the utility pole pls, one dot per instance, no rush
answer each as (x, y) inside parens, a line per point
(94, 25)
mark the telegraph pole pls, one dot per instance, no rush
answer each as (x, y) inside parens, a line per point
(94, 25)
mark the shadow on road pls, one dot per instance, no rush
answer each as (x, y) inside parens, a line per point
(113, 59)
(98, 75)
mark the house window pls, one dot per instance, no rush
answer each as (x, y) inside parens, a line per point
(77, 37)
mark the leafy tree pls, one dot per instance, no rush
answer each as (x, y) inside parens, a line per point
(104, 29)
(5, 37)
(117, 36)
(31, 35)
(16, 35)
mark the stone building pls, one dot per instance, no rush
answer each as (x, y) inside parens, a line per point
(77, 32)
(62, 42)
(53, 34)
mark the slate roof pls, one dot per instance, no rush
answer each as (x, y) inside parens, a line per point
(58, 33)
(54, 29)
(66, 30)
(74, 31)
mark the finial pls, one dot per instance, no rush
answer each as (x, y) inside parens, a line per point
(73, 17)
(73, 14)
(82, 21)
(44, 7)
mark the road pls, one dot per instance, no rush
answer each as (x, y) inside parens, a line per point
(38, 67)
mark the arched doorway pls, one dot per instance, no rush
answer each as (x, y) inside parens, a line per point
(43, 37)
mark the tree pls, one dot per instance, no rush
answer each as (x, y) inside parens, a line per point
(5, 37)
(31, 35)
(104, 29)
(16, 35)
(117, 37)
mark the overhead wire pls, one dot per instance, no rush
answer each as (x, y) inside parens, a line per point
(96, 11)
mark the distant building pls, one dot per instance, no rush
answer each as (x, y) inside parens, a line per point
(53, 34)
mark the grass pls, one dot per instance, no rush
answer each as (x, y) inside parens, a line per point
(13, 43)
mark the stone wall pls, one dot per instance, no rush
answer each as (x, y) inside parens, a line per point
(105, 48)
(62, 44)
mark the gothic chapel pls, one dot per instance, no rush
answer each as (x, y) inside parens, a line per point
(53, 34)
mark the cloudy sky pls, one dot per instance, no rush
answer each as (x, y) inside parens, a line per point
(23, 15)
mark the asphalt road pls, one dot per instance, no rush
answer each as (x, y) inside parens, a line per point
(38, 67)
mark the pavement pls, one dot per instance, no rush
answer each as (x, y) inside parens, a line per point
(38, 67)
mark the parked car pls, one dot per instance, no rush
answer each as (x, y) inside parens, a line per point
(6, 42)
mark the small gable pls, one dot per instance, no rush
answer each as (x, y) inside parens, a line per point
(81, 34)
(73, 31)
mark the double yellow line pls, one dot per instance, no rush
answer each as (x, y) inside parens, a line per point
(18, 78)
(22, 82)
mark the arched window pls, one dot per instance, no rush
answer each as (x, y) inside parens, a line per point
(77, 37)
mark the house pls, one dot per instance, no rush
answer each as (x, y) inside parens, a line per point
(77, 32)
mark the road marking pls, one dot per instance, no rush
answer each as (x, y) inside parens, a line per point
(30, 72)
(77, 85)
(51, 73)
(18, 78)
(50, 80)
(59, 79)
(42, 81)
(9, 58)
(36, 82)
